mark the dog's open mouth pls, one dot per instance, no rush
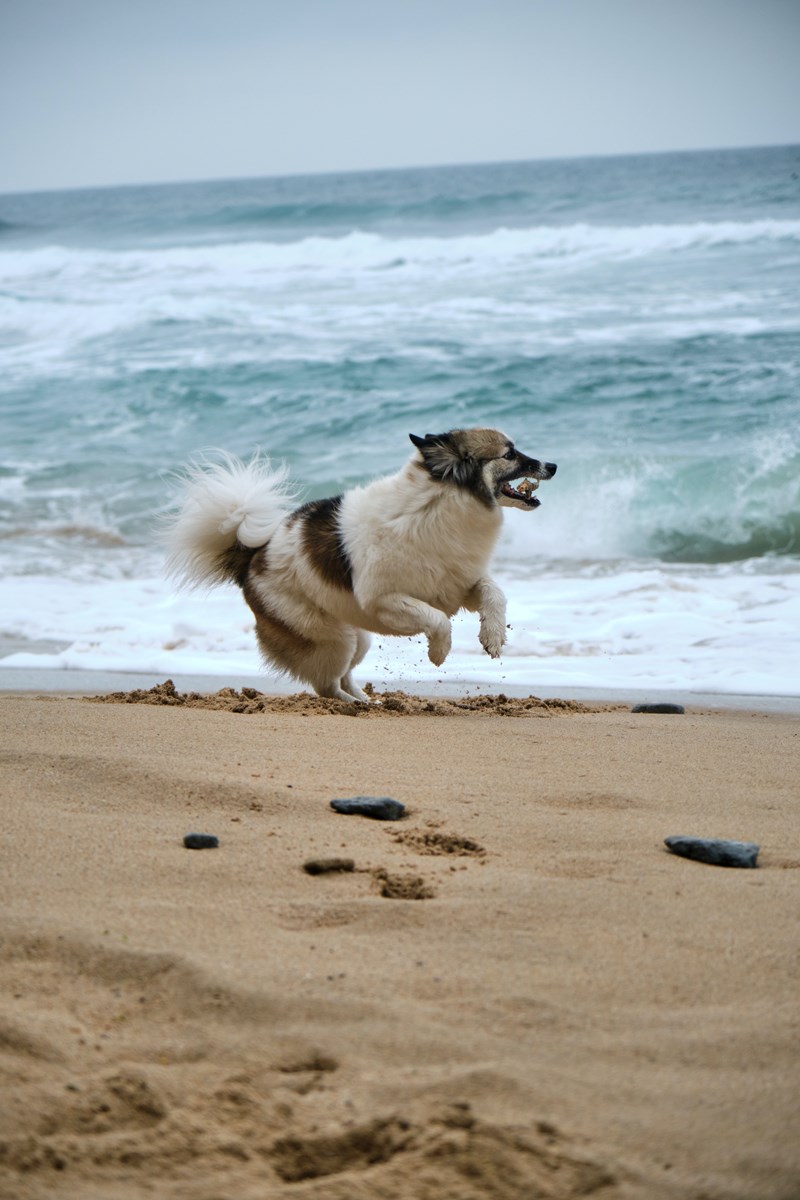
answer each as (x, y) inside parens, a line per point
(523, 493)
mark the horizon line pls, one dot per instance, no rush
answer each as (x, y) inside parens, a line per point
(500, 162)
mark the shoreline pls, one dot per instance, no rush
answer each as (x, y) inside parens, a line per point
(26, 680)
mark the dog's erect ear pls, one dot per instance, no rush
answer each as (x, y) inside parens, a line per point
(430, 439)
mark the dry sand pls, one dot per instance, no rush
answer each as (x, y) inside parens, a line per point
(517, 992)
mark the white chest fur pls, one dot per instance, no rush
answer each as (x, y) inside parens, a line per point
(408, 534)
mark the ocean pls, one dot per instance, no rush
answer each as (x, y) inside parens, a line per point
(634, 319)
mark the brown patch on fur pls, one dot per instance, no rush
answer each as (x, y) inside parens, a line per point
(234, 563)
(322, 542)
(484, 444)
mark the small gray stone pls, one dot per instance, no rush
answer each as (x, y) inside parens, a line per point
(200, 841)
(717, 851)
(658, 708)
(380, 808)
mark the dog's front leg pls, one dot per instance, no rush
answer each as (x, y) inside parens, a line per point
(403, 615)
(486, 599)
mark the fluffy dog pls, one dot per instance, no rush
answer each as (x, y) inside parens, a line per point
(398, 556)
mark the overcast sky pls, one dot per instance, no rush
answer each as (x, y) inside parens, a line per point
(96, 92)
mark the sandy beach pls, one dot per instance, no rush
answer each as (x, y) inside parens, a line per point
(516, 992)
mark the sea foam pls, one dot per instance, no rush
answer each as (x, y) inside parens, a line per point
(715, 630)
(358, 250)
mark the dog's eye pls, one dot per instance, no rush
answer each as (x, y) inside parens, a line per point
(510, 453)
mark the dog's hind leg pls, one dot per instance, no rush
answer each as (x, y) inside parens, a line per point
(486, 599)
(346, 682)
(321, 661)
(328, 664)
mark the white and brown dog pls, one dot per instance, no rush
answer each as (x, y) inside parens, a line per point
(398, 556)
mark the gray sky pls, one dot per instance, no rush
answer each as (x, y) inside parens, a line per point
(99, 92)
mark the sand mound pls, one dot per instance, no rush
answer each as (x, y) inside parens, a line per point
(164, 1074)
(426, 841)
(392, 704)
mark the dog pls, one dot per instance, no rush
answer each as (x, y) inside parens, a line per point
(398, 556)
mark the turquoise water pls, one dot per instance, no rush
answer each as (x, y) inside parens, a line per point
(636, 320)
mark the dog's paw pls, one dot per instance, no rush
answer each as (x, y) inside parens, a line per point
(439, 646)
(492, 638)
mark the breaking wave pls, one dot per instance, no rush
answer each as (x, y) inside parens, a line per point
(578, 243)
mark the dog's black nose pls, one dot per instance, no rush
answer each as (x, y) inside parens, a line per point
(552, 468)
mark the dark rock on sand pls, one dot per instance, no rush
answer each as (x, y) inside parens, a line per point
(717, 851)
(380, 808)
(200, 841)
(320, 866)
(658, 708)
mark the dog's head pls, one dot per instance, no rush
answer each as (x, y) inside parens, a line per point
(484, 462)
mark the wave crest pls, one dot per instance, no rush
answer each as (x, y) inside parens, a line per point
(705, 510)
(561, 244)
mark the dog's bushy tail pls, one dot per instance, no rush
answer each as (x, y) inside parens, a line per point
(228, 510)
